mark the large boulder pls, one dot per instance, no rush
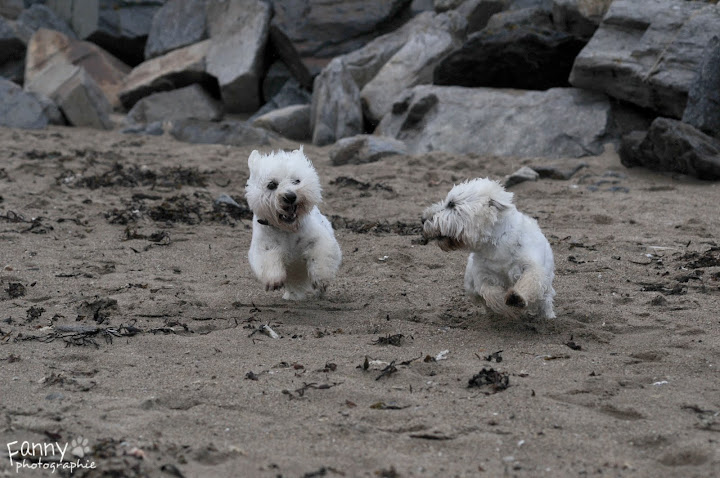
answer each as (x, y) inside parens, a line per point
(83, 102)
(238, 27)
(334, 94)
(671, 145)
(364, 63)
(703, 106)
(177, 24)
(75, 92)
(647, 52)
(292, 122)
(336, 112)
(560, 122)
(477, 13)
(413, 64)
(39, 16)
(10, 9)
(119, 26)
(291, 94)
(283, 48)
(51, 109)
(235, 133)
(188, 102)
(532, 16)
(13, 70)
(12, 48)
(365, 148)
(275, 77)
(524, 57)
(579, 17)
(176, 69)
(323, 29)
(19, 109)
(49, 46)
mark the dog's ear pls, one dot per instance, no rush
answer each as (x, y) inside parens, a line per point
(253, 159)
(500, 206)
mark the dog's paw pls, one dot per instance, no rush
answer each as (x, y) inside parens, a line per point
(513, 299)
(320, 285)
(274, 284)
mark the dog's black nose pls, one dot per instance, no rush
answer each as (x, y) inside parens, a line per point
(290, 197)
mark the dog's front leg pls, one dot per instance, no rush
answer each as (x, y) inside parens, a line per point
(268, 266)
(323, 261)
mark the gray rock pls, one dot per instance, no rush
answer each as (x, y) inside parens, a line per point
(364, 63)
(177, 24)
(579, 17)
(235, 133)
(48, 46)
(286, 51)
(413, 64)
(322, 29)
(226, 199)
(560, 122)
(181, 67)
(477, 13)
(188, 102)
(520, 176)
(703, 106)
(671, 145)
(51, 109)
(78, 96)
(292, 122)
(19, 109)
(11, 46)
(445, 5)
(83, 102)
(531, 16)
(10, 9)
(419, 6)
(40, 16)
(275, 77)
(562, 169)
(336, 112)
(120, 27)
(647, 52)
(13, 70)
(520, 4)
(290, 94)
(365, 148)
(238, 27)
(152, 129)
(523, 57)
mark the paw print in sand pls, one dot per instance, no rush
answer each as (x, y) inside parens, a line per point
(79, 447)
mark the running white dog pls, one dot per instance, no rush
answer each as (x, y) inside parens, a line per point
(293, 244)
(511, 267)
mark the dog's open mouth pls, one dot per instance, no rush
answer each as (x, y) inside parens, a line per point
(289, 215)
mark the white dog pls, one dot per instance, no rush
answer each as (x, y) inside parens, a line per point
(293, 245)
(511, 267)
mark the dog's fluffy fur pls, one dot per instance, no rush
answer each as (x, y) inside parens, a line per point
(511, 267)
(293, 245)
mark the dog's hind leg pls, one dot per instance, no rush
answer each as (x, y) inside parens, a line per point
(528, 289)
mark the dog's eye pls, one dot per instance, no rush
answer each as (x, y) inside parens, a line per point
(272, 185)
(451, 205)
(296, 181)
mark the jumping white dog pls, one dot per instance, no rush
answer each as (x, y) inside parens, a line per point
(293, 245)
(511, 266)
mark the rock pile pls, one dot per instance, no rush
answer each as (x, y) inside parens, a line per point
(534, 78)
